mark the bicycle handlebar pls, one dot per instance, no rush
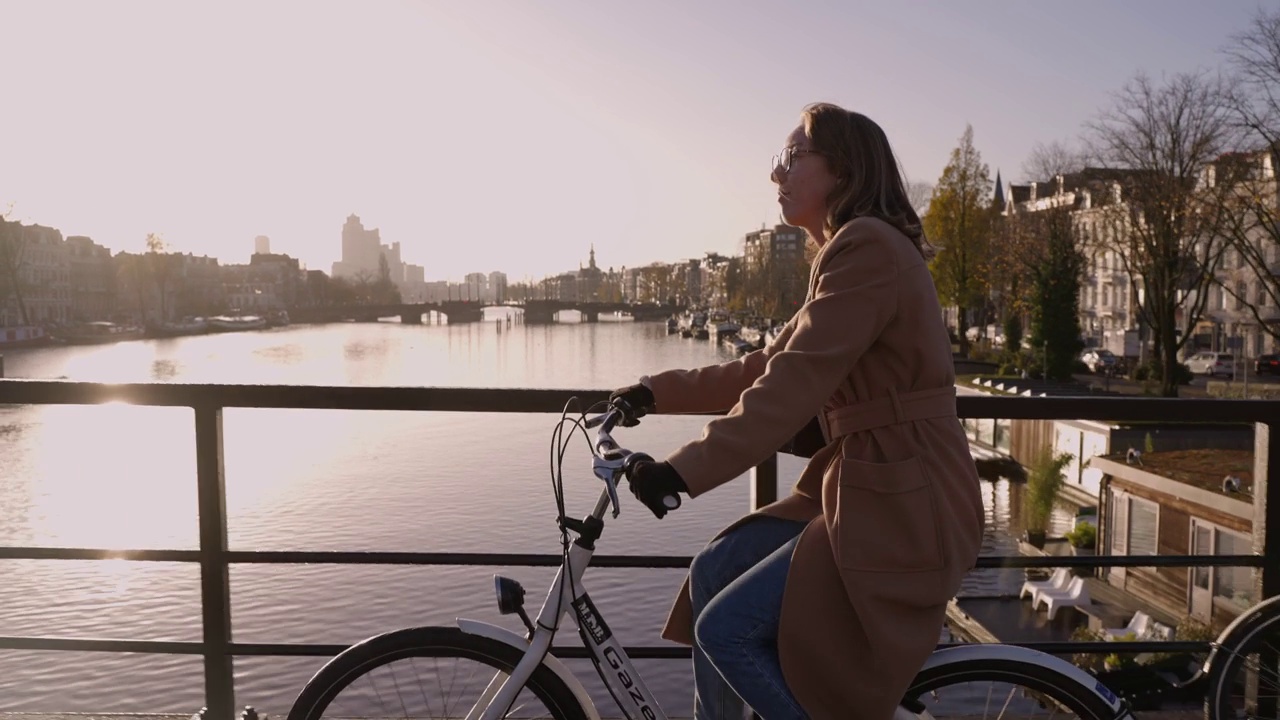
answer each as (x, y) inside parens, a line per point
(609, 449)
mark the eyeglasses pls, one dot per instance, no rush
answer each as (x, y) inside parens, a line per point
(782, 161)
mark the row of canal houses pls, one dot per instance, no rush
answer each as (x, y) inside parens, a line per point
(1151, 489)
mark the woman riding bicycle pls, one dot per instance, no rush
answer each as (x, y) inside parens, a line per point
(826, 603)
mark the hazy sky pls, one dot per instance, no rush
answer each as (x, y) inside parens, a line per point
(492, 135)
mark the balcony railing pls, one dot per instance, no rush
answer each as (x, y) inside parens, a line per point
(215, 559)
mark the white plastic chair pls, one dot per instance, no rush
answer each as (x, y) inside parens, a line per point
(1057, 581)
(1139, 625)
(1075, 595)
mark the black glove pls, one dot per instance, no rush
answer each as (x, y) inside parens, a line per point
(806, 442)
(635, 402)
(653, 481)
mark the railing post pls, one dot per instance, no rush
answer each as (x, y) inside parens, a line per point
(764, 482)
(1266, 509)
(1266, 541)
(215, 585)
(764, 490)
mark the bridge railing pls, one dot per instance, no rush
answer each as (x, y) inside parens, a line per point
(215, 558)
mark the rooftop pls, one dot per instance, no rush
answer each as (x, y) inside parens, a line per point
(1202, 468)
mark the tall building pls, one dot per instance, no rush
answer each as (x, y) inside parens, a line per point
(589, 280)
(262, 245)
(361, 250)
(776, 273)
(365, 257)
(498, 287)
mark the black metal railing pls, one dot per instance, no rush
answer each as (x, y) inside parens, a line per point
(215, 558)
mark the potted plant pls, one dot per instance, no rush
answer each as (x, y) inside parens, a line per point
(1092, 662)
(1083, 538)
(1044, 480)
(1121, 661)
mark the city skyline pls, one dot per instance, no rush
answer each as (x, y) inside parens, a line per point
(526, 131)
(261, 244)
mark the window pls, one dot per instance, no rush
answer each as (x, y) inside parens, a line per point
(1143, 525)
(1233, 584)
(1133, 525)
(1118, 522)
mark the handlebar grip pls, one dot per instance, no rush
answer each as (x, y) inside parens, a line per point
(631, 461)
(671, 502)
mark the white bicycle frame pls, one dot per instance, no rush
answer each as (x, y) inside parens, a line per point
(616, 669)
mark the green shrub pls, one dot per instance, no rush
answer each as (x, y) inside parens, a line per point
(1044, 481)
(1151, 371)
(1122, 660)
(1091, 662)
(1084, 535)
(1188, 630)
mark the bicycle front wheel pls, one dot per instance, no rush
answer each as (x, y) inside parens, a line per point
(1006, 689)
(427, 672)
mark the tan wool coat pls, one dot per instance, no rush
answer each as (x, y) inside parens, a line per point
(893, 502)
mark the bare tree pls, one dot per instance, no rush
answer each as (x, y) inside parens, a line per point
(1049, 160)
(918, 194)
(1252, 219)
(1164, 137)
(131, 276)
(160, 268)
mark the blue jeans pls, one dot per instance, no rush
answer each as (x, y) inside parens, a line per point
(736, 584)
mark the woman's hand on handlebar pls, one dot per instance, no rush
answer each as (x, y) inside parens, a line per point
(657, 485)
(634, 402)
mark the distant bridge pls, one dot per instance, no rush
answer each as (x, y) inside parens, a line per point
(461, 311)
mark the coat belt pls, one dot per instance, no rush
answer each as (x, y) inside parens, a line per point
(892, 409)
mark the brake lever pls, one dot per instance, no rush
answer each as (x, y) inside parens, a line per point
(608, 470)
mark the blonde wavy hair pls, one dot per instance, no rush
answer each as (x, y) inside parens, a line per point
(869, 181)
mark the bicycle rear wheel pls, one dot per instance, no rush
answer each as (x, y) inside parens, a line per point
(416, 673)
(1006, 689)
(1244, 677)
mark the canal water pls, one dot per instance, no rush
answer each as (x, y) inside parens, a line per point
(117, 476)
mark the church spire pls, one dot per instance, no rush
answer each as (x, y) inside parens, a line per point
(591, 263)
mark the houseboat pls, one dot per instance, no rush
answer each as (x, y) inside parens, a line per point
(1180, 502)
(23, 336)
(180, 328)
(236, 323)
(99, 332)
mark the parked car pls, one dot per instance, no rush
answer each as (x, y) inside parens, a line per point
(1267, 364)
(1099, 360)
(1207, 362)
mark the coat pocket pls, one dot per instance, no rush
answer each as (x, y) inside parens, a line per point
(888, 517)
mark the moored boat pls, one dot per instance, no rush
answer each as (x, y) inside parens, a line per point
(24, 336)
(98, 332)
(236, 323)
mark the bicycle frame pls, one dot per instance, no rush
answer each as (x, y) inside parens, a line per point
(612, 662)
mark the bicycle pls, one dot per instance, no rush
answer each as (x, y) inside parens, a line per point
(1245, 659)
(520, 670)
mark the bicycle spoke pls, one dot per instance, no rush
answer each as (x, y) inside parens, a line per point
(439, 691)
(991, 700)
